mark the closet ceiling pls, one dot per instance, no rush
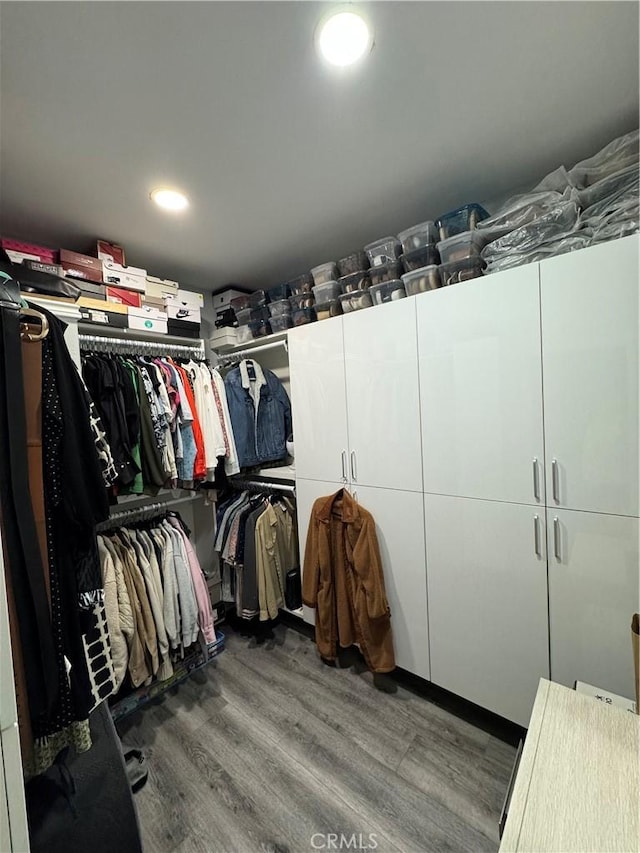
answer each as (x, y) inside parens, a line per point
(289, 163)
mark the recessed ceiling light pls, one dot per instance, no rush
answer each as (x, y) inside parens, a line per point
(344, 38)
(169, 199)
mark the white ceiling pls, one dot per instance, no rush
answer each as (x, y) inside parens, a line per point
(288, 163)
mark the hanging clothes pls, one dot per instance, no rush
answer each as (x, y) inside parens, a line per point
(257, 542)
(260, 413)
(343, 581)
(156, 598)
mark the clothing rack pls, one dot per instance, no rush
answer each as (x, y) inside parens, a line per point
(140, 513)
(249, 353)
(105, 344)
(262, 486)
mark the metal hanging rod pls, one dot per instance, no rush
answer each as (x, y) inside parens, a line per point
(263, 485)
(141, 512)
(249, 353)
(104, 344)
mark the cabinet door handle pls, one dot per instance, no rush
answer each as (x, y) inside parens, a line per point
(554, 480)
(354, 474)
(344, 466)
(556, 538)
(536, 479)
(536, 535)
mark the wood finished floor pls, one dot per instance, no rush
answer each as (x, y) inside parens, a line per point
(266, 747)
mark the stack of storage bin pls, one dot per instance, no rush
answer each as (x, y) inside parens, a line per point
(301, 300)
(386, 268)
(252, 315)
(420, 258)
(460, 244)
(279, 308)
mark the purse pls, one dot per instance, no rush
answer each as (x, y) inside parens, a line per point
(44, 283)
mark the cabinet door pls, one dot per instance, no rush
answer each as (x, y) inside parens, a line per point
(487, 593)
(593, 593)
(400, 529)
(381, 364)
(306, 493)
(318, 400)
(590, 359)
(481, 388)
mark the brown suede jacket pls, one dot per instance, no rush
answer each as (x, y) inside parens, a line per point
(343, 581)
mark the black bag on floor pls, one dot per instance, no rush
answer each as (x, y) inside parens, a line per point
(293, 590)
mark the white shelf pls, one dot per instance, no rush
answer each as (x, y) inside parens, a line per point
(286, 472)
(249, 345)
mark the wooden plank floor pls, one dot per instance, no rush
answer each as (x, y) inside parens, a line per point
(267, 747)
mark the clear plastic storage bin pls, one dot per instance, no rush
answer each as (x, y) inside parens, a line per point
(387, 272)
(260, 328)
(303, 316)
(388, 291)
(240, 303)
(360, 280)
(302, 300)
(258, 298)
(281, 322)
(383, 251)
(418, 281)
(244, 334)
(325, 310)
(243, 315)
(418, 236)
(355, 300)
(324, 273)
(457, 271)
(279, 292)
(302, 284)
(461, 219)
(353, 263)
(327, 292)
(418, 258)
(282, 306)
(461, 246)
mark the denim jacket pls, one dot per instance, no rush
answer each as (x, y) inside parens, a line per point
(260, 414)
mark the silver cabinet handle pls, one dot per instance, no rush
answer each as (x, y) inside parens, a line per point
(556, 538)
(536, 535)
(344, 466)
(536, 479)
(354, 475)
(554, 480)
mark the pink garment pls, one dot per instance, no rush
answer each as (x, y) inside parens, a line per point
(205, 612)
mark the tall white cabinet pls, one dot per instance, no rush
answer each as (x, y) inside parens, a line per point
(508, 405)
(373, 444)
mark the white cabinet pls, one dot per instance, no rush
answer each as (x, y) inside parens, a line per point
(590, 362)
(593, 593)
(318, 398)
(400, 530)
(383, 411)
(487, 594)
(481, 388)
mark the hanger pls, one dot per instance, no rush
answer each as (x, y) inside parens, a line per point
(25, 327)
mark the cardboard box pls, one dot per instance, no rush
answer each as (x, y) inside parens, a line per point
(181, 329)
(50, 269)
(101, 305)
(148, 318)
(222, 298)
(92, 290)
(124, 296)
(161, 287)
(20, 251)
(133, 278)
(178, 311)
(104, 318)
(76, 265)
(187, 298)
(154, 302)
(110, 252)
(224, 338)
